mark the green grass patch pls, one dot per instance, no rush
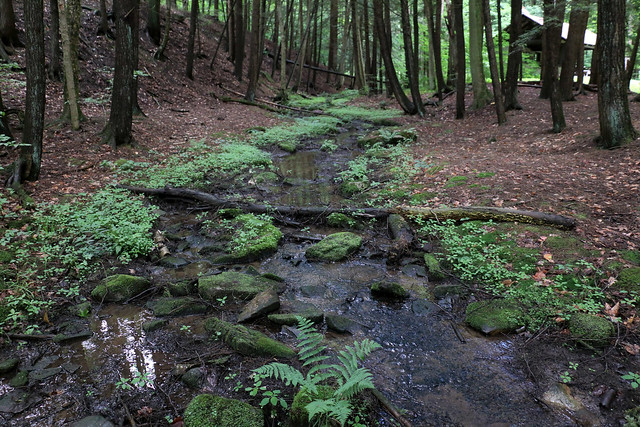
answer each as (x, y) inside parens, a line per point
(374, 115)
(289, 135)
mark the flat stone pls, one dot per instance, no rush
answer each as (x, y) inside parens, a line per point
(153, 325)
(494, 316)
(181, 306)
(335, 247)
(246, 341)
(388, 290)
(93, 421)
(291, 319)
(173, 262)
(265, 302)
(21, 379)
(119, 287)
(43, 374)
(341, 324)
(9, 365)
(17, 401)
(234, 285)
(423, 307)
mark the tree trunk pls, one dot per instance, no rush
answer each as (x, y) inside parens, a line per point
(193, 24)
(409, 57)
(460, 60)
(68, 25)
(333, 37)
(553, 18)
(515, 58)
(575, 39)
(358, 56)
(634, 55)
(104, 20)
(238, 38)
(345, 37)
(434, 23)
(481, 94)
(8, 30)
(616, 128)
(493, 64)
(4, 124)
(123, 97)
(451, 57)
(28, 166)
(55, 67)
(153, 21)
(255, 55)
(159, 54)
(385, 53)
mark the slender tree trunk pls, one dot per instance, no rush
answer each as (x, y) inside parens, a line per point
(153, 21)
(28, 166)
(333, 37)
(238, 39)
(553, 18)
(434, 22)
(159, 54)
(409, 57)
(104, 29)
(451, 57)
(4, 124)
(575, 39)
(345, 38)
(193, 24)
(633, 57)
(358, 56)
(8, 30)
(55, 65)
(255, 55)
(515, 58)
(493, 64)
(460, 60)
(616, 128)
(481, 94)
(69, 54)
(500, 58)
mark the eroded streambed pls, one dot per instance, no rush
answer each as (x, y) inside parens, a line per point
(430, 364)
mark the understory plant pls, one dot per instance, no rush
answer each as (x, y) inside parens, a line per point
(346, 377)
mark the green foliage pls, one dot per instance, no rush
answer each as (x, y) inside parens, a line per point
(349, 378)
(252, 236)
(633, 378)
(139, 380)
(374, 115)
(292, 133)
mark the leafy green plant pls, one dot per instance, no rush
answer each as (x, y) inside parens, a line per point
(633, 378)
(348, 377)
(565, 377)
(139, 380)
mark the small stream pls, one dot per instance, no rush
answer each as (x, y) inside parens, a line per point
(424, 367)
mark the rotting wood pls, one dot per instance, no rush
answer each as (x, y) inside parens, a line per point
(483, 213)
(390, 407)
(402, 237)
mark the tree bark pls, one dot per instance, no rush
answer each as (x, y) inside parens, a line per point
(153, 21)
(104, 21)
(409, 57)
(4, 124)
(28, 166)
(238, 38)
(333, 36)
(460, 60)
(481, 94)
(493, 64)
(616, 128)
(123, 97)
(159, 54)
(68, 26)
(358, 55)
(552, 35)
(255, 55)
(193, 24)
(515, 58)
(575, 40)
(8, 30)
(434, 23)
(633, 57)
(55, 67)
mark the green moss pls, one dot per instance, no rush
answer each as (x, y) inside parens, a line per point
(254, 237)
(423, 197)
(289, 146)
(434, 270)
(153, 325)
(485, 174)
(385, 137)
(232, 284)
(349, 188)
(266, 178)
(21, 379)
(631, 256)
(593, 330)
(291, 319)
(181, 306)
(246, 341)
(340, 220)
(335, 247)
(299, 415)
(6, 256)
(494, 316)
(180, 289)
(455, 181)
(207, 410)
(120, 287)
(388, 290)
(9, 365)
(629, 279)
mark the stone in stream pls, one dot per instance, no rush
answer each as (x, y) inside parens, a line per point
(9, 365)
(93, 421)
(434, 270)
(173, 262)
(591, 330)
(263, 303)
(495, 316)
(386, 137)
(120, 287)
(559, 396)
(234, 285)
(181, 306)
(246, 341)
(291, 319)
(154, 325)
(194, 377)
(207, 410)
(255, 238)
(388, 290)
(21, 379)
(181, 289)
(341, 324)
(335, 247)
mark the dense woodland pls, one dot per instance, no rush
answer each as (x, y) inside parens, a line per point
(407, 50)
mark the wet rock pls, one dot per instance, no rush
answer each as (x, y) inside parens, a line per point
(387, 137)
(388, 290)
(120, 287)
(181, 289)
(43, 374)
(413, 270)
(629, 279)
(153, 325)
(335, 247)
(341, 324)
(81, 310)
(263, 303)
(299, 416)
(193, 378)
(173, 262)
(246, 341)
(291, 319)
(559, 396)
(266, 177)
(592, 330)
(423, 307)
(78, 336)
(181, 306)
(257, 238)
(314, 291)
(449, 290)
(494, 316)
(207, 410)
(9, 365)
(273, 277)
(21, 379)
(232, 284)
(17, 401)
(434, 270)
(93, 421)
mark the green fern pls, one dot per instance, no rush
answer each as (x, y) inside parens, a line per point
(347, 375)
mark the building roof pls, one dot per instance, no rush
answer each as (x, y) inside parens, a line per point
(589, 36)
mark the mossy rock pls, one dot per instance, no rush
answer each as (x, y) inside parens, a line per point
(434, 270)
(193, 378)
(290, 145)
(120, 287)
(299, 416)
(350, 188)
(180, 289)
(387, 137)
(246, 341)
(181, 306)
(21, 379)
(592, 330)
(154, 325)
(388, 290)
(335, 247)
(495, 316)
(9, 365)
(232, 284)
(629, 279)
(81, 310)
(266, 177)
(291, 319)
(340, 220)
(207, 410)
(263, 239)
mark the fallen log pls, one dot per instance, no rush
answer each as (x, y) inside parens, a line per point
(483, 213)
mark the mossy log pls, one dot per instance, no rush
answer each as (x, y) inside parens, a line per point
(483, 213)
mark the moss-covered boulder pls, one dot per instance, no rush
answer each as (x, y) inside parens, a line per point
(434, 270)
(291, 319)
(180, 306)
(254, 237)
(180, 289)
(120, 287)
(340, 220)
(232, 284)
(335, 247)
(81, 310)
(388, 290)
(592, 330)
(299, 416)
(342, 324)
(629, 279)
(154, 325)
(495, 316)
(9, 365)
(388, 137)
(207, 410)
(246, 341)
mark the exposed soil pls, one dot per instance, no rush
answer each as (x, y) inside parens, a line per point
(532, 168)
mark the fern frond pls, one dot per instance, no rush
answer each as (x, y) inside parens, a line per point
(339, 410)
(358, 381)
(287, 373)
(365, 347)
